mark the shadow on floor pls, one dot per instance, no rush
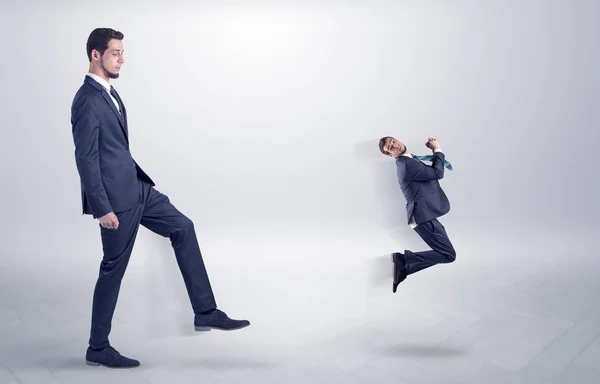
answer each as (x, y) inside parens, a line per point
(424, 351)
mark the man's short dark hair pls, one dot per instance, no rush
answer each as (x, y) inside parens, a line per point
(382, 144)
(99, 39)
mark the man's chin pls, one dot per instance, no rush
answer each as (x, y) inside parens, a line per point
(111, 75)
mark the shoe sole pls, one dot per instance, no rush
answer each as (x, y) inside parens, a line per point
(94, 364)
(205, 329)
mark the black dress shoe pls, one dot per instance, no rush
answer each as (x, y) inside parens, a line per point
(218, 320)
(109, 357)
(399, 270)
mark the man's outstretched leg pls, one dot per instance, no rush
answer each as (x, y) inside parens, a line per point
(161, 217)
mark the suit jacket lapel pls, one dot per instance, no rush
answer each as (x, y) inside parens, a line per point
(122, 115)
(111, 104)
(125, 121)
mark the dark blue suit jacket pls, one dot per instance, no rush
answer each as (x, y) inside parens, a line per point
(425, 199)
(108, 173)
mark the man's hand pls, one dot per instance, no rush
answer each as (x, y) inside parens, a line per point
(432, 144)
(109, 221)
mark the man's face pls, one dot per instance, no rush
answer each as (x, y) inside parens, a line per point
(113, 58)
(394, 147)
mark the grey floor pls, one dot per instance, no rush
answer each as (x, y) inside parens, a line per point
(518, 306)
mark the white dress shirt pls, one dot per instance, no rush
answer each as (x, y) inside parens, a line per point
(412, 222)
(106, 86)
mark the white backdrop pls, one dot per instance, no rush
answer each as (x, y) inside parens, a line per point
(267, 116)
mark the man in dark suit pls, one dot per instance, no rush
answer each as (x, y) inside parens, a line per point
(116, 191)
(425, 202)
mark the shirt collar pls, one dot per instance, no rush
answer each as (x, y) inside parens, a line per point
(407, 154)
(100, 80)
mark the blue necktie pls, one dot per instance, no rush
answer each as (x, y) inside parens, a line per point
(429, 157)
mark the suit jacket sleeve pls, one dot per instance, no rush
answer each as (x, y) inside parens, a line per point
(86, 126)
(423, 172)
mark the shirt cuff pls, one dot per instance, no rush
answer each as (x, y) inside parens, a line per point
(437, 150)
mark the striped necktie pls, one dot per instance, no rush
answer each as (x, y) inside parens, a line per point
(429, 157)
